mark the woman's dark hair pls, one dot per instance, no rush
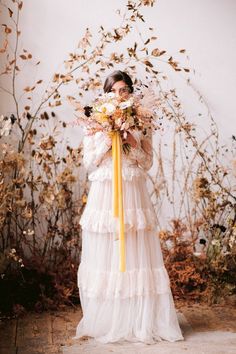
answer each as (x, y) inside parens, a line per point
(115, 77)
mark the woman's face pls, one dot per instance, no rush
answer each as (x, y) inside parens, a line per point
(121, 89)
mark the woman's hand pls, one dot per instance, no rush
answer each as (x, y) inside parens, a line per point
(130, 140)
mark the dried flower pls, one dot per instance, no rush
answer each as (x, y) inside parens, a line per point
(47, 143)
(201, 188)
(5, 125)
(66, 176)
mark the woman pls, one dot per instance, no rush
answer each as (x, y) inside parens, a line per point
(135, 305)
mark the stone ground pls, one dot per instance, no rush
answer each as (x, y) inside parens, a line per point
(206, 329)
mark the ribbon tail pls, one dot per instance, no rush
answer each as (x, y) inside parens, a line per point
(120, 205)
(117, 194)
(115, 176)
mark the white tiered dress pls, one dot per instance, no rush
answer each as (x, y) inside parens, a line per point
(135, 305)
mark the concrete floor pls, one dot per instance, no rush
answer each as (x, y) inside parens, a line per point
(207, 330)
(216, 342)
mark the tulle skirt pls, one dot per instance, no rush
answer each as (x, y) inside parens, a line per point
(135, 305)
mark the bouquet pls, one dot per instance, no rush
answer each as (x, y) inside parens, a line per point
(111, 114)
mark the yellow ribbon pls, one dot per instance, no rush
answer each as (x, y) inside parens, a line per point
(118, 210)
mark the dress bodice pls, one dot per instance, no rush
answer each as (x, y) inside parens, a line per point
(139, 213)
(97, 156)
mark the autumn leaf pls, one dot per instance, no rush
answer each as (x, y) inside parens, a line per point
(70, 98)
(20, 5)
(148, 2)
(57, 103)
(27, 89)
(56, 78)
(148, 63)
(66, 78)
(157, 53)
(84, 199)
(10, 12)
(23, 56)
(3, 49)
(7, 29)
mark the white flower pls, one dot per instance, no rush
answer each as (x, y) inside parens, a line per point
(5, 126)
(126, 104)
(197, 254)
(107, 108)
(225, 253)
(125, 126)
(215, 242)
(119, 122)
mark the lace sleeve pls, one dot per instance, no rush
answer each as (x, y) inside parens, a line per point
(95, 146)
(143, 152)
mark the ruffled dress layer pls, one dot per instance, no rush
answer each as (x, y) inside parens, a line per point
(135, 305)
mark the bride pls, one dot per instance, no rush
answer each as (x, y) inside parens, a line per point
(135, 305)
